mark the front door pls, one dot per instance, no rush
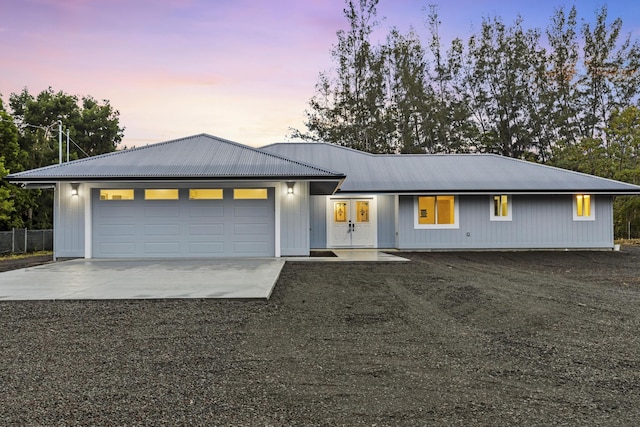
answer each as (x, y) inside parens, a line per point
(352, 222)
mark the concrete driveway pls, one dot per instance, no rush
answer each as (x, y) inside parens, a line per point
(143, 279)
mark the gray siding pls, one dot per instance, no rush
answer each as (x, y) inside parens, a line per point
(318, 222)
(69, 221)
(386, 222)
(294, 214)
(538, 222)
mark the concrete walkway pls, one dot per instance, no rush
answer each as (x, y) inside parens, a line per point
(159, 278)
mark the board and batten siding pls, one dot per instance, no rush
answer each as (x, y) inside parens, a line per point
(386, 221)
(538, 222)
(294, 220)
(69, 221)
(318, 222)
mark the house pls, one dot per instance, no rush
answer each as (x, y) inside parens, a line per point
(203, 196)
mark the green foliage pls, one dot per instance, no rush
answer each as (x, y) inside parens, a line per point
(29, 138)
(6, 204)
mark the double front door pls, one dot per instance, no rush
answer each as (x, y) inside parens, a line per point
(352, 222)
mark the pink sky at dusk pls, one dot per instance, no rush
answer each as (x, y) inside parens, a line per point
(239, 69)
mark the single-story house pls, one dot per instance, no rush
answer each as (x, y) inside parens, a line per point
(203, 196)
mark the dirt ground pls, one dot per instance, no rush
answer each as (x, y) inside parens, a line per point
(502, 338)
(7, 263)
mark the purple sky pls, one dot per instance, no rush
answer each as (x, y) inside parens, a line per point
(239, 69)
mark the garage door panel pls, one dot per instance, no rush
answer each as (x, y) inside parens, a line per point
(117, 249)
(251, 211)
(206, 248)
(162, 230)
(162, 210)
(162, 248)
(117, 229)
(196, 230)
(206, 211)
(117, 209)
(250, 230)
(251, 248)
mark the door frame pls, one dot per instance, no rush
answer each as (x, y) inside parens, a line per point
(373, 218)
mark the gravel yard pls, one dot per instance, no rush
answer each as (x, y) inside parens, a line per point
(489, 338)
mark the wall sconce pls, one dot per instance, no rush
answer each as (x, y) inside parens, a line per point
(290, 187)
(74, 188)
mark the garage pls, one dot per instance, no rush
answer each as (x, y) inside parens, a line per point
(183, 222)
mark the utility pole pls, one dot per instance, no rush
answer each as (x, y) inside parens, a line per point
(60, 142)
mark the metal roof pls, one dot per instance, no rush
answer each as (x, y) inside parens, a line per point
(440, 173)
(196, 157)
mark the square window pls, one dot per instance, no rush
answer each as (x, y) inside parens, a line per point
(436, 212)
(161, 194)
(117, 194)
(583, 207)
(500, 207)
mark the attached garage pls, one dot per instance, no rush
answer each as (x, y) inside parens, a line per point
(183, 222)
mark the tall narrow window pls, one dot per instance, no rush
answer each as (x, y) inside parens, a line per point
(500, 206)
(436, 212)
(583, 207)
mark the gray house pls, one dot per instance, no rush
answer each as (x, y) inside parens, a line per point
(203, 196)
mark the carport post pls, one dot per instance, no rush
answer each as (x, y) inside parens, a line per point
(25, 240)
(13, 239)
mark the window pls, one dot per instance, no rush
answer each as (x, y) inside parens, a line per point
(500, 206)
(161, 194)
(249, 193)
(116, 194)
(583, 207)
(205, 194)
(436, 212)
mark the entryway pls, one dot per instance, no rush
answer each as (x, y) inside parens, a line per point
(352, 222)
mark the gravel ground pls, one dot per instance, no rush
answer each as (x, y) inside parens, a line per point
(504, 338)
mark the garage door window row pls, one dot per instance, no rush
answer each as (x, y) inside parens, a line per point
(174, 194)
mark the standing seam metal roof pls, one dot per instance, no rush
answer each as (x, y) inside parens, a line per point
(439, 173)
(198, 156)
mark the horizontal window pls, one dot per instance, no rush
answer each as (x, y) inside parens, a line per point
(249, 193)
(161, 194)
(436, 212)
(500, 206)
(205, 194)
(116, 194)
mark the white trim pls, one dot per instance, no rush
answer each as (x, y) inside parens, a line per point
(88, 220)
(278, 189)
(456, 214)
(592, 208)
(493, 216)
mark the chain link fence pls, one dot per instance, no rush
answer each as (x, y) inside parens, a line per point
(22, 241)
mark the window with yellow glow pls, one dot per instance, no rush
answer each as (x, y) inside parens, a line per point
(436, 211)
(583, 207)
(116, 194)
(340, 212)
(205, 194)
(362, 211)
(500, 208)
(249, 193)
(161, 194)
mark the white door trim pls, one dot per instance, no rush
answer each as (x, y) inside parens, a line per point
(373, 219)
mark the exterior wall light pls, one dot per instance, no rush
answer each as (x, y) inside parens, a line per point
(74, 188)
(290, 187)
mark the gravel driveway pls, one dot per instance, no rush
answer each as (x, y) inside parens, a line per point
(513, 338)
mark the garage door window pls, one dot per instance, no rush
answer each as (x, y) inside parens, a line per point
(249, 193)
(161, 194)
(205, 194)
(116, 194)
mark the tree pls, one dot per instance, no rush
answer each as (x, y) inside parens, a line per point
(29, 139)
(349, 106)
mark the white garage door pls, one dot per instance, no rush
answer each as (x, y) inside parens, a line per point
(142, 228)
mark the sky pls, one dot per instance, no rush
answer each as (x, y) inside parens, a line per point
(243, 70)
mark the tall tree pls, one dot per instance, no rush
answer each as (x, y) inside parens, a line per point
(30, 140)
(349, 106)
